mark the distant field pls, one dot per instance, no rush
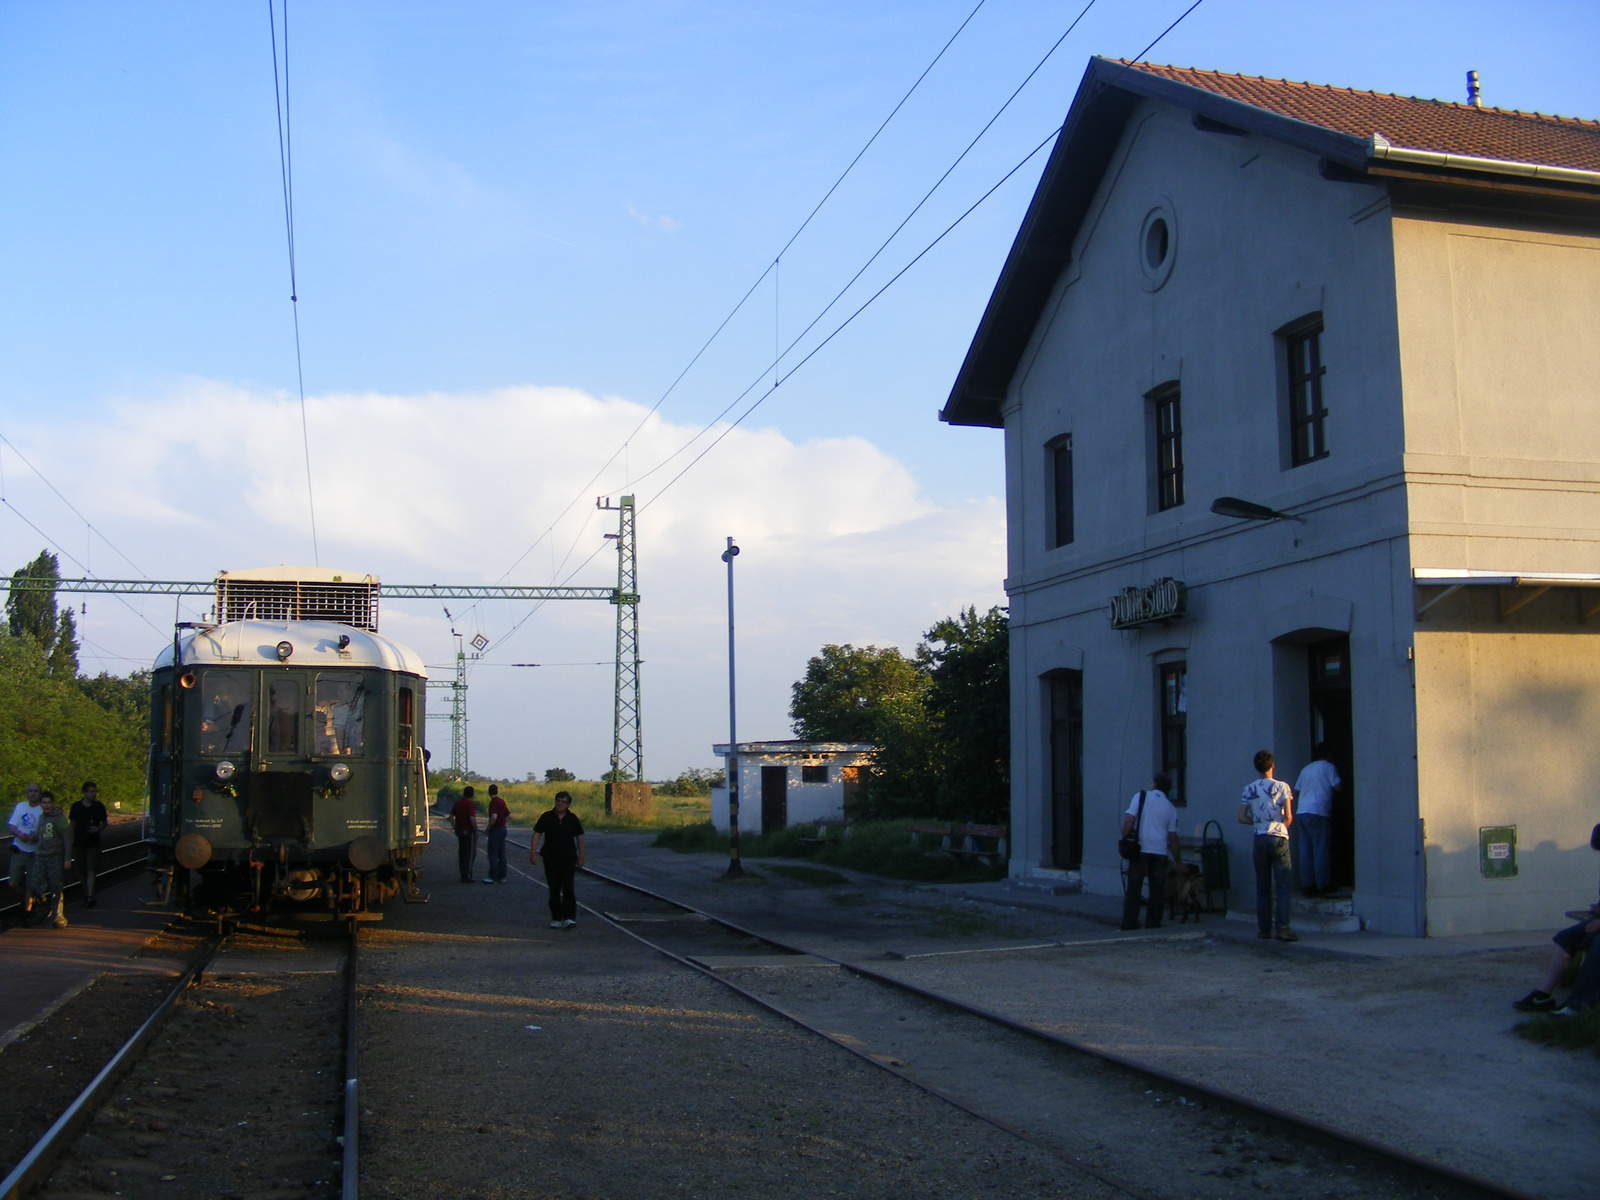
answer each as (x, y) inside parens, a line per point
(527, 800)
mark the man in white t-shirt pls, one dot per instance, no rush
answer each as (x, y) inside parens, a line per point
(1158, 838)
(24, 827)
(1268, 806)
(1313, 814)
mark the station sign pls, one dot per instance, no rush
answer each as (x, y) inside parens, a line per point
(1162, 599)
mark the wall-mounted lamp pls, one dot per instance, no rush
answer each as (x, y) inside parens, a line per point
(1246, 510)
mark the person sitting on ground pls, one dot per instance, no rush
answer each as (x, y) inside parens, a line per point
(1584, 937)
(51, 858)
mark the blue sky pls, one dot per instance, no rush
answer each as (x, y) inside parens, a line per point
(566, 199)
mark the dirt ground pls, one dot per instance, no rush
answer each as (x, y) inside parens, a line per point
(1416, 1051)
(506, 1059)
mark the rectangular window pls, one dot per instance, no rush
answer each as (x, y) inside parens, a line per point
(814, 774)
(1060, 461)
(339, 715)
(225, 712)
(164, 711)
(1307, 437)
(407, 718)
(1169, 446)
(283, 716)
(1174, 728)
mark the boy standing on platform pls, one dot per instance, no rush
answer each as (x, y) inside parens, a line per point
(51, 858)
(88, 817)
(563, 855)
(464, 819)
(1266, 804)
(499, 814)
(24, 826)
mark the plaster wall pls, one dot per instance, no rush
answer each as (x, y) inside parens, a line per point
(805, 802)
(1260, 240)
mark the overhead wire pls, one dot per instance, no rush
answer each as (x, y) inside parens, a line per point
(286, 177)
(87, 523)
(739, 305)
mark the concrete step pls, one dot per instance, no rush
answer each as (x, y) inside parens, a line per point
(1063, 883)
(1315, 914)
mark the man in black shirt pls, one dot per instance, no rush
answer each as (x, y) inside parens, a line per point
(563, 855)
(88, 818)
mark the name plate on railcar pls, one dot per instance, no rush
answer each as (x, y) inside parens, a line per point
(1161, 600)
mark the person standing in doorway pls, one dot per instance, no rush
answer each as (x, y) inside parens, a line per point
(558, 835)
(1157, 821)
(1313, 815)
(464, 819)
(1267, 805)
(24, 827)
(51, 858)
(499, 814)
(88, 818)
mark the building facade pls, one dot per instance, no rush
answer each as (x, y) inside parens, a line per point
(791, 783)
(1301, 397)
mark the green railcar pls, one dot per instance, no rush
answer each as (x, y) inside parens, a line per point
(287, 767)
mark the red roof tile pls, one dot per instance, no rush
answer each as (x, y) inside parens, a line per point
(1437, 125)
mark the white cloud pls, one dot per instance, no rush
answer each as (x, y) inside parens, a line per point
(839, 543)
(664, 223)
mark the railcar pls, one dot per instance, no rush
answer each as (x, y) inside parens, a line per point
(286, 757)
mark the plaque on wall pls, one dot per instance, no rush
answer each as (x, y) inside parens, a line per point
(1162, 599)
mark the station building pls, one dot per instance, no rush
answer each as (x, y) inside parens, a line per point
(791, 783)
(1301, 397)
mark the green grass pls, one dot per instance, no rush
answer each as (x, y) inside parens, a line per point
(876, 847)
(527, 800)
(1581, 1032)
(815, 876)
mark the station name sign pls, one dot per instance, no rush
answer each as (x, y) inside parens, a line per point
(1160, 600)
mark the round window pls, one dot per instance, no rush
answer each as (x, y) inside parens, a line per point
(1155, 244)
(1158, 244)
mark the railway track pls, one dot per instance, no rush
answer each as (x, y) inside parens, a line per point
(241, 1083)
(1144, 1132)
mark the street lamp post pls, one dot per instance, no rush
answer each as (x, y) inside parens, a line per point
(731, 768)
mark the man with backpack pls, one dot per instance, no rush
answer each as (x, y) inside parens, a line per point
(1154, 821)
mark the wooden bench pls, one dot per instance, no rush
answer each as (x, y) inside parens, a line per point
(986, 843)
(924, 829)
(828, 833)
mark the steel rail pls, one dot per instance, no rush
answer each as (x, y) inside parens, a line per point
(385, 591)
(350, 1175)
(36, 1165)
(9, 907)
(1305, 1125)
(1065, 1156)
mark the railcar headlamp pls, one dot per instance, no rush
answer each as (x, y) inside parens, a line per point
(225, 771)
(339, 774)
(284, 650)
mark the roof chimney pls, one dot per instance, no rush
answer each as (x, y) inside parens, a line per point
(1473, 96)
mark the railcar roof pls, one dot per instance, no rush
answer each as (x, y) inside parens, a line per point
(316, 644)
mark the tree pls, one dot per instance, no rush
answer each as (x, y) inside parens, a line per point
(968, 658)
(845, 688)
(559, 775)
(31, 612)
(62, 662)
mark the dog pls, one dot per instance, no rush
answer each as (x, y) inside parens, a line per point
(1185, 886)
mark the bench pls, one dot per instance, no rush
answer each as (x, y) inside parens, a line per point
(829, 833)
(924, 829)
(985, 843)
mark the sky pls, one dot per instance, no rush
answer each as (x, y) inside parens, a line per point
(515, 227)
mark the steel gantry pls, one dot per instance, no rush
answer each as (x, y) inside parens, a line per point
(627, 756)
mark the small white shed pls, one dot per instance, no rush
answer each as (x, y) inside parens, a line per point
(791, 783)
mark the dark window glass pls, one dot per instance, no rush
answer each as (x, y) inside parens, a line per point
(1061, 492)
(1307, 437)
(814, 774)
(226, 702)
(339, 714)
(283, 716)
(1169, 449)
(1174, 728)
(408, 718)
(165, 708)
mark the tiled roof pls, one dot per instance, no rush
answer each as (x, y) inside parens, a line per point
(1437, 125)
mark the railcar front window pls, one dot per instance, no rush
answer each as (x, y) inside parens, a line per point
(225, 712)
(283, 716)
(339, 715)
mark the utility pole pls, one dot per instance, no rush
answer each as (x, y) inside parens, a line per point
(458, 701)
(627, 744)
(731, 770)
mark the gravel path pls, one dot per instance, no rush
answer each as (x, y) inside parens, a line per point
(641, 1080)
